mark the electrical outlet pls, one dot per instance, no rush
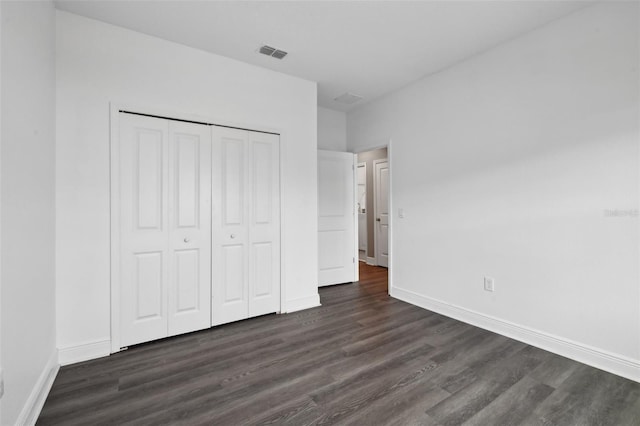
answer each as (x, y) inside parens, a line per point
(401, 213)
(489, 284)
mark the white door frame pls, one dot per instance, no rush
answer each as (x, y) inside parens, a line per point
(114, 194)
(356, 249)
(389, 146)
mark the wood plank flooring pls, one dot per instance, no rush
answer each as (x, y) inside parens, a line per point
(363, 358)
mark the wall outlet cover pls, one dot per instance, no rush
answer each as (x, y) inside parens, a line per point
(489, 284)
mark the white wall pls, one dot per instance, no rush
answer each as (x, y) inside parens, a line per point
(28, 205)
(98, 64)
(332, 130)
(505, 165)
(1, 368)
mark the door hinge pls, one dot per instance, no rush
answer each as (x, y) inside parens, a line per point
(354, 260)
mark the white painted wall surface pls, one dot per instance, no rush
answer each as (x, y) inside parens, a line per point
(28, 204)
(332, 130)
(506, 164)
(1, 371)
(98, 63)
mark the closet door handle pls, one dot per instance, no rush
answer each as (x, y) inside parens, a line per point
(233, 235)
(186, 239)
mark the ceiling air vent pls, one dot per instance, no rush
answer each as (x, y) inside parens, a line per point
(279, 54)
(348, 98)
(272, 51)
(267, 50)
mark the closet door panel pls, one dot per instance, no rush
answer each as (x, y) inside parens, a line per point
(233, 274)
(190, 227)
(264, 223)
(233, 179)
(143, 280)
(262, 258)
(187, 179)
(187, 283)
(147, 179)
(147, 286)
(230, 268)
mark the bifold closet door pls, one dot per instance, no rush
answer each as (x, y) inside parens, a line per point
(264, 223)
(246, 224)
(189, 227)
(165, 227)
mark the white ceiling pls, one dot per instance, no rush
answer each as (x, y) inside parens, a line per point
(365, 47)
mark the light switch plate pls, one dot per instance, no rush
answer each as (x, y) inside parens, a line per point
(489, 284)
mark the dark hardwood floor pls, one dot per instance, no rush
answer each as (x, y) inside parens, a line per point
(363, 358)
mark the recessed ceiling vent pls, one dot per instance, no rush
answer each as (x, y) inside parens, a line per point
(272, 51)
(348, 98)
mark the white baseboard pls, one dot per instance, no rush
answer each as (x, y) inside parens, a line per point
(32, 407)
(303, 303)
(84, 352)
(371, 261)
(598, 358)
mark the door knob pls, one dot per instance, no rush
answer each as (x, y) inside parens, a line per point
(378, 220)
(186, 239)
(233, 235)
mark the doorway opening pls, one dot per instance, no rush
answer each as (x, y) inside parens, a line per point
(373, 207)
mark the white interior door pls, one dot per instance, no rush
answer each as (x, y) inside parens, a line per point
(337, 249)
(144, 230)
(246, 224)
(381, 202)
(165, 228)
(189, 227)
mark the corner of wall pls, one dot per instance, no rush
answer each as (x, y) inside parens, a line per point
(332, 130)
(302, 303)
(34, 403)
(84, 352)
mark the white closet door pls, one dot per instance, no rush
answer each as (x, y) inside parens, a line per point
(144, 229)
(165, 229)
(264, 223)
(189, 227)
(230, 269)
(246, 224)
(337, 249)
